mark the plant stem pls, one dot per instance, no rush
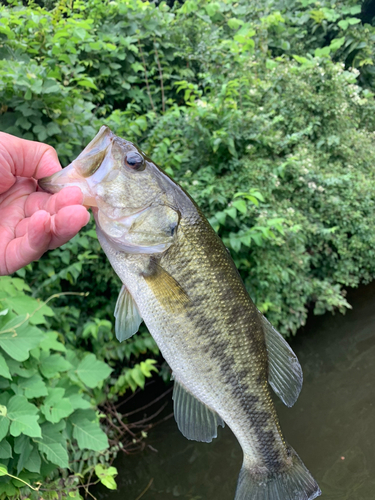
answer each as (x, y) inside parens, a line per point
(161, 78)
(146, 77)
(22, 481)
(145, 490)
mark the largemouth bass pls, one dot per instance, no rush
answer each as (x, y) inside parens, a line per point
(180, 279)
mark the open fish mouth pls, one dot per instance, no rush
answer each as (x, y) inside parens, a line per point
(82, 168)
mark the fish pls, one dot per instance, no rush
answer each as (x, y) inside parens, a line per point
(179, 278)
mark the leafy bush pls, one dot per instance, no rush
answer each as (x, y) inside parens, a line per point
(283, 166)
(47, 403)
(50, 392)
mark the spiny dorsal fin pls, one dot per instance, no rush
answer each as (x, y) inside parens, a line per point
(127, 315)
(166, 289)
(194, 419)
(285, 373)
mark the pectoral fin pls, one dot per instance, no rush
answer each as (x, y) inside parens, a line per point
(194, 419)
(166, 289)
(285, 373)
(127, 315)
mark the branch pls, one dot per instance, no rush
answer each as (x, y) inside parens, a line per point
(146, 406)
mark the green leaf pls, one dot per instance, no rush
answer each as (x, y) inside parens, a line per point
(23, 447)
(23, 417)
(88, 83)
(9, 489)
(4, 370)
(300, 59)
(17, 338)
(92, 371)
(33, 387)
(212, 8)
(54, 364)
(78, 402)
(343, 24)
(232, 212)
(4, 427)
(54, 452)
(53, 129)
(56, 406)
(240, 205)
(89, 435)
(234, 23)
(221, 217)
(353, 20)
(22, 304)
(53, 444)
(26, 424)
(324, 52)
(235, 242)
(41, 132)
(138, 376)
(5, 449)
(34, 461)
(147, 367)
(106, 476)
(50, 86)
(3, 470)
(336, 43)
(51, 342)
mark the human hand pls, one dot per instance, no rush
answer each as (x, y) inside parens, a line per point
(31, 221)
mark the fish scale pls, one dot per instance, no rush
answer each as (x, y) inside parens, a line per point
(178, 276)
(211, 322)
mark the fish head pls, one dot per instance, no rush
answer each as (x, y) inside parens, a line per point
(124, 188)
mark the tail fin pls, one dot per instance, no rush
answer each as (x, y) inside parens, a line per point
(294, 483)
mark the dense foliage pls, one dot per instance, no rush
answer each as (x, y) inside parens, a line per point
(263, 111)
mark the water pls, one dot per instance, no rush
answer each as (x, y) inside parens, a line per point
(331, 426)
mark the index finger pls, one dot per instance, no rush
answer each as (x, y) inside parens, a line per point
(24, 158)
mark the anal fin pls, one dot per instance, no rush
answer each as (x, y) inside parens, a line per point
(127, 315)
(285, 372)
(194, 419)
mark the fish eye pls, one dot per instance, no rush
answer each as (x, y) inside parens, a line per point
(135, 161)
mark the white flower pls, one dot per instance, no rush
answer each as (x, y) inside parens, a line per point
(202, 104)
(311, 185)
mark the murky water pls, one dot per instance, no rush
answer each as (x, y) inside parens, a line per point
(332, 425)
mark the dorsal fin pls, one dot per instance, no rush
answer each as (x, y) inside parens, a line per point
(127, 315)
(194, 419)
(285, 373)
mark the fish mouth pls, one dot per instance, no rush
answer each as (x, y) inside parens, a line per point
(86, 164)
